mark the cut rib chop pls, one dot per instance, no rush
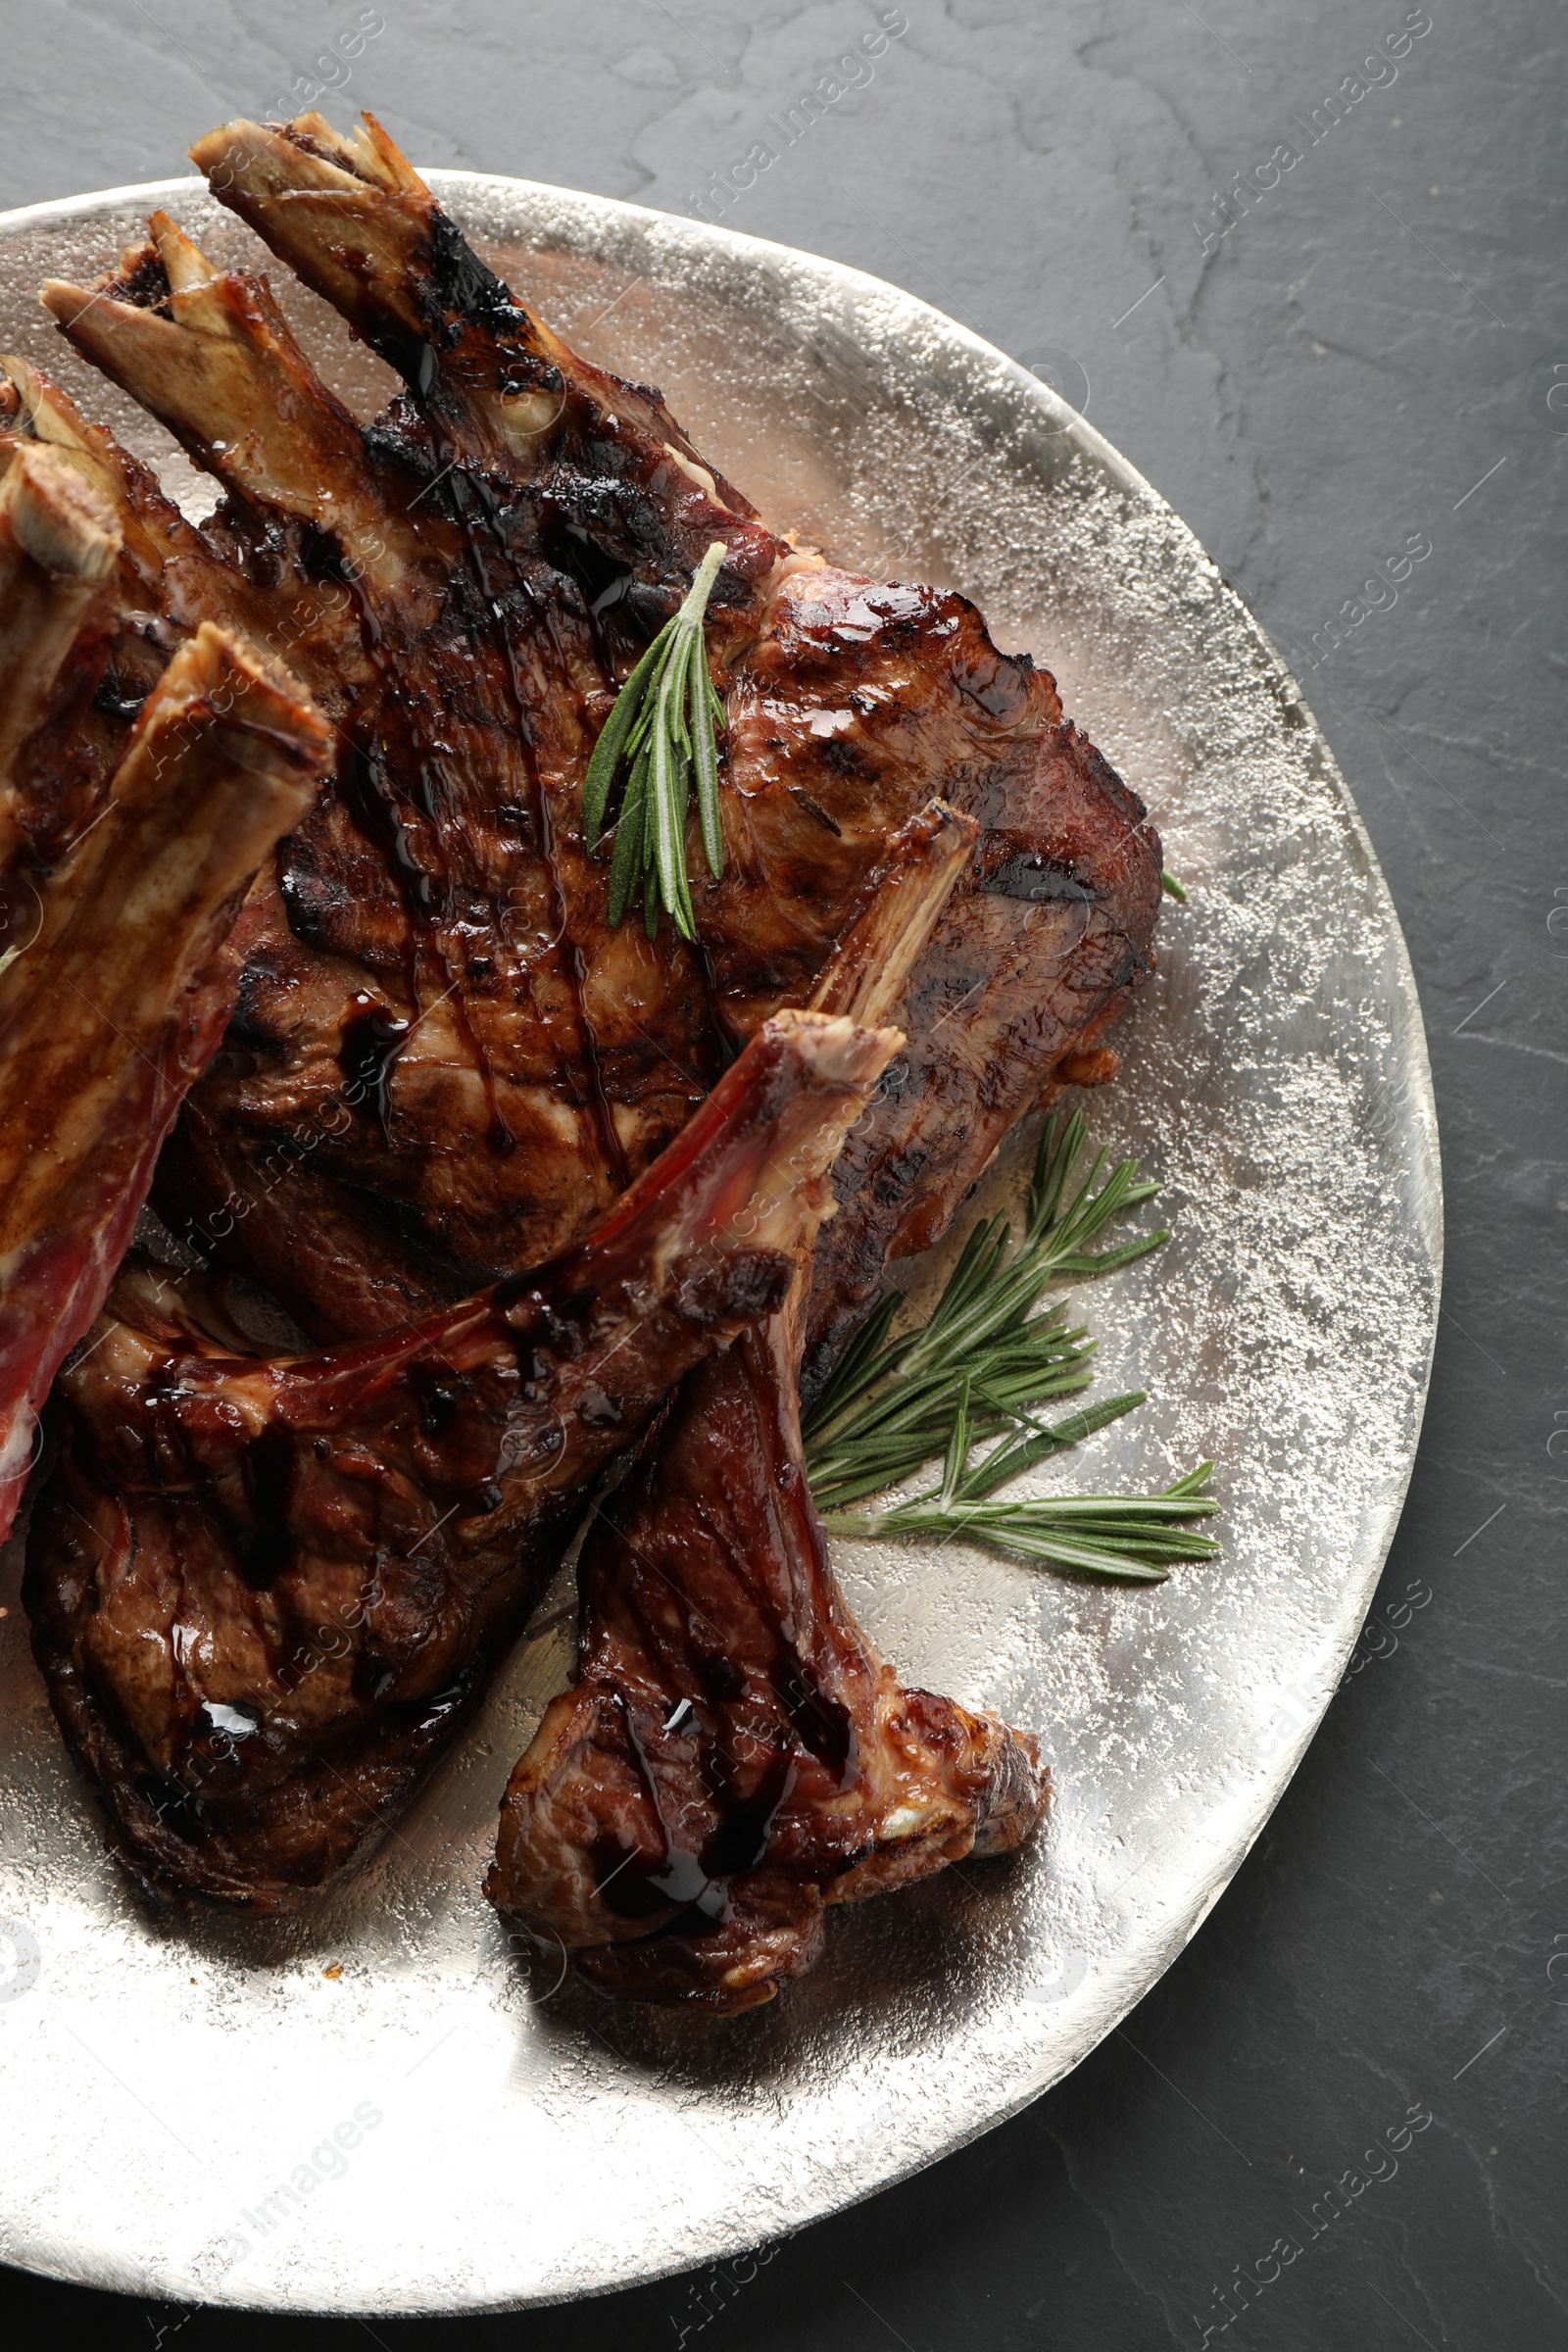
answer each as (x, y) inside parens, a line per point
(167, 580)
(263, 1589)
(431, 994)
(734, 1756)
(123, 996)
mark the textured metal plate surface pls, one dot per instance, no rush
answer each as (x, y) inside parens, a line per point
(172, 2089)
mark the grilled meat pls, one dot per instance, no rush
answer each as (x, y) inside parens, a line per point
(430, 987)
(167, 579)
(432, 996)
(617, 490)
(854, 689)
(263, 1589)
(444, 1065)
(122, 994)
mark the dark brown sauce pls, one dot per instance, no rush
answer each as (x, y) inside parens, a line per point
(439, 1395)
(372, 803)
(822, 1725)
(268, 1470)
(368, 1052)
(262, 1552)
(739, 1840)
(468, 493)
(720, 1039)
(374, 809)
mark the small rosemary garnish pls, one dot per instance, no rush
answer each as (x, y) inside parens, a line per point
(662, 728)
(987, 1354)
(1172, 888)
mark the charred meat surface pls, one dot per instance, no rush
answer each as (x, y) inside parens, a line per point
(264, 1588)
(430, 987)
(1034, 957)
(853, 689)
(431, 994)
(119, 998)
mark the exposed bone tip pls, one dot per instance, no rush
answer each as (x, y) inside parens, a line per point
(385, 159)
(218, 141)
(63, 302)
(835, 1049)
(57, 516)
(184, 263)
(217, 673)
(266, 162)
(44, 412)
(20, 374)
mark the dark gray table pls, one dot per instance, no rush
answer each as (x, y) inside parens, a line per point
(1375, 350)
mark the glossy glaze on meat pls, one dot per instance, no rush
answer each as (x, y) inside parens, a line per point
(430, 991)
(854, 688)
(59, 545)
(435, 865)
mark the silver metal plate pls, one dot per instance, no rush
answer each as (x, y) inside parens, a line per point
(373, 2111)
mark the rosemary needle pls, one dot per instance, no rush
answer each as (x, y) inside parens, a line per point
(661, 732)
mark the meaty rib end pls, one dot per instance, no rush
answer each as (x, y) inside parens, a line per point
(353, 217)
(59, 544)
(735, 1756)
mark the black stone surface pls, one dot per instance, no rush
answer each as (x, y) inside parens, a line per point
(1367, 354)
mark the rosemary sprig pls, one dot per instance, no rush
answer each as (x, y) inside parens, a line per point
(662, 728)
(972, 1371)
(1172, 888)
(1126, 1537)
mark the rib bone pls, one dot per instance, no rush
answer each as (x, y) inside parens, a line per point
(120, 999)
(59, 544)
(219, 366)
